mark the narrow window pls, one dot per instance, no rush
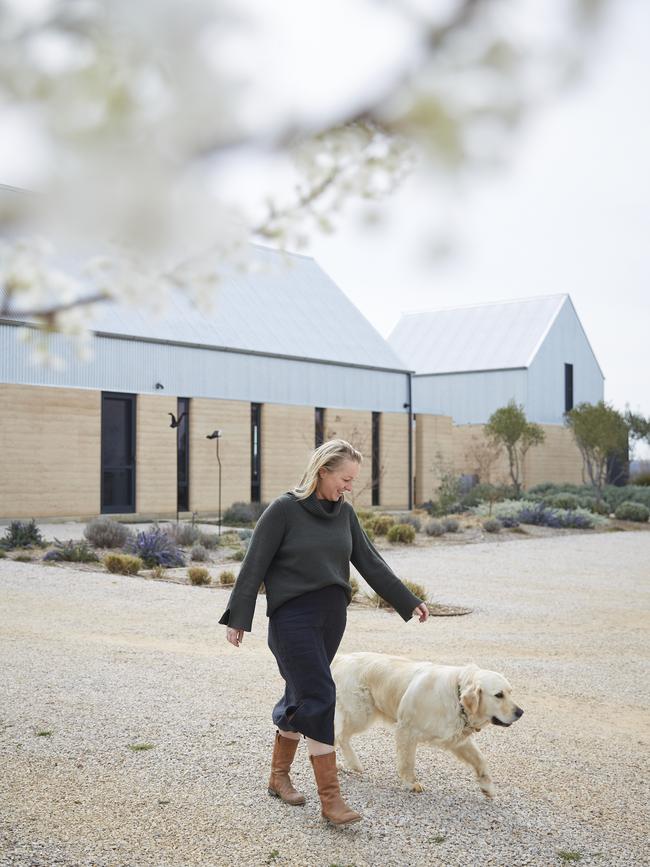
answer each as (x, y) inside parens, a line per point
(256, 462)
(319, 426)
(183, 453)
(118, 453)
(568, 387)
(375, 458)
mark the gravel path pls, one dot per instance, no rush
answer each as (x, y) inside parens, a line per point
(103, 662)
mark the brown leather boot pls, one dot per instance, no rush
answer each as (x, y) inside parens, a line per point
(333, 807)
(280, 783)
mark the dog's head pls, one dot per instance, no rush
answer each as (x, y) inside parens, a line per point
(486, 698)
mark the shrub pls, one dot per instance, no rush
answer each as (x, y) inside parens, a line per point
(238, 555)
(104, 532)
(158, 572)
(631, 511)
(123, 564)
(243, 514)
(506, 508)
(24, 558)
(198, 575)
(381, 524)
(22, 534)
(354, 585)
(3, 553)
(434, 528)
(155, 547)
(508, 522)
(538, 515)
(492, 525)
(485, 492)
(451, 525)
(209, 540)
(418, 590)
(642, 479)
(230, 539)
(245, 534)
(182, 534)
(563, 500)
(576, 519)
(402, 533)
(226, 577)
(74, 552)
(407, 518)
(198, 553)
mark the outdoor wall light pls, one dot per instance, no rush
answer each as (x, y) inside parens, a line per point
(216, 435)
(159, 385)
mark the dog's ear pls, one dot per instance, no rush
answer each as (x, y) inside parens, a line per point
(471, 698)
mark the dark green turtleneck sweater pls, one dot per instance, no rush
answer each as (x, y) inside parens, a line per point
(303, 545)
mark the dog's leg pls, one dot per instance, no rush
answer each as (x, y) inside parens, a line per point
(469, 753)
(342, 735)
(406, 746)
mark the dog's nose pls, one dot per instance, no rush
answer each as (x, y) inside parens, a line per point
(519, 712)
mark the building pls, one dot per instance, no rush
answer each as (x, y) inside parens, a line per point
(283, 362)
(469, 361)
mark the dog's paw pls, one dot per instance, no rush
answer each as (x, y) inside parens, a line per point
(488, 789)
(417, 786)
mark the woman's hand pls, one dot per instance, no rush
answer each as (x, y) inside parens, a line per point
(421, 612)
(234, 636)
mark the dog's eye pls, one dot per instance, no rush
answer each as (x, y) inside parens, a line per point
(499, 695)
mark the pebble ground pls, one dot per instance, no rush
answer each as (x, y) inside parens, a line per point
(94, 664)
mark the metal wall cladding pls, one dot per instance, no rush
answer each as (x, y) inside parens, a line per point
(469, 398)
(135, 366)
(566, 343)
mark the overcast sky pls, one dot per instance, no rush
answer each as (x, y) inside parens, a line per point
(571, 214)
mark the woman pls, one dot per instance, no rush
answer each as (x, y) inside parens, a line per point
(302, 548)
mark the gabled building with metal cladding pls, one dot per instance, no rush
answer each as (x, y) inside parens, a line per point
(469, 361)
(282, 361)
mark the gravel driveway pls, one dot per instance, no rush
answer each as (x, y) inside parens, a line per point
(105, 662)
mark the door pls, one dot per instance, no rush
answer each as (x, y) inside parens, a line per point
(118, 453)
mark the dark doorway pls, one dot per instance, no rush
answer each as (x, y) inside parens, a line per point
(319, 426)
(183, 454)
(568, 387)
(376, 469)
(118, 453)
(256, 459)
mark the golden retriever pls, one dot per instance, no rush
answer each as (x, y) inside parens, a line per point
(428, 703)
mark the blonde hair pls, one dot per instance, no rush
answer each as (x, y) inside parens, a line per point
(329, 456)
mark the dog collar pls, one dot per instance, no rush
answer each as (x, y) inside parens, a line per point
(463, 712)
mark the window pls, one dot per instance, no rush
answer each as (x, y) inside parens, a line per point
(376, 416)
(256, 463)
(319, 425)
(568, 387)
(183, 454)
(118, 453)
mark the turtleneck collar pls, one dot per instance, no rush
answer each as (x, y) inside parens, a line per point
(314, 505)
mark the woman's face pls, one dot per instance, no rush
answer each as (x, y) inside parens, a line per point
(332, 484)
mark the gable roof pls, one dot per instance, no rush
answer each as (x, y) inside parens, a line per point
(285, 305)
(495, 336)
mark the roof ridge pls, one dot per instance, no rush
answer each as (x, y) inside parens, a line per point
(484, 304)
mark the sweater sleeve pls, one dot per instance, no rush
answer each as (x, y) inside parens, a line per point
(376, 571)
(263, 545)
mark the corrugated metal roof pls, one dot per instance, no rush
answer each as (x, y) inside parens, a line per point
(496, 336)
(286, 306)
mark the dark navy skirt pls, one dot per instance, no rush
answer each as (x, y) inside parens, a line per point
(304, 634)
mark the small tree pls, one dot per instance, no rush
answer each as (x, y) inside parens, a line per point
(509, 428)
(482, 454)
(600, 432)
